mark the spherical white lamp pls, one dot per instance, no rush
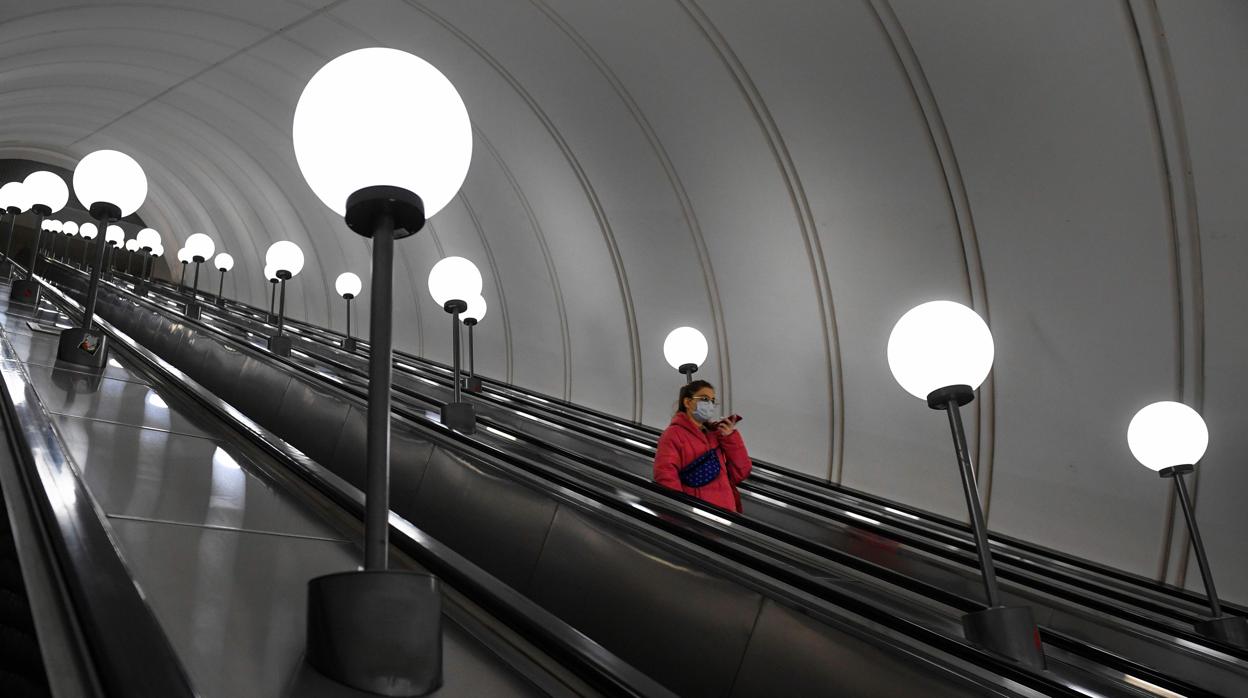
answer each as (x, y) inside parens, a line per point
(475, 312)
(224, 261)
(88, 230)
(46, 225)
(285, 256)
(184, 255)
(132, 245)
(110, 184)
(13, 198)
(69, 228)
(685, 349)
(47, 191)
(270, 273)
(348, 285)
(114, 235)
(420, 140)
(148, 238)
(158, 250)
(454, 279)
(1165, 434)
(200, 247)
(57, 226)
(939, 344)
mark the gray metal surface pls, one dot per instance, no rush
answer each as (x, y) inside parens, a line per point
(221, 555)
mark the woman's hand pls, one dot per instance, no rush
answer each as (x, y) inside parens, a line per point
(726, 427)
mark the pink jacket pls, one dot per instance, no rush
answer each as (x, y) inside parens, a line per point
(682, 442)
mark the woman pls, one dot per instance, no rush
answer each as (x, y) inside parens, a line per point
(699, 455)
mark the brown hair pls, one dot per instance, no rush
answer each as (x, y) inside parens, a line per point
(688, 390)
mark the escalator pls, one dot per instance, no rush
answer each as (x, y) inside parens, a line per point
(22, 673)
(177, 341)
(1154, 630)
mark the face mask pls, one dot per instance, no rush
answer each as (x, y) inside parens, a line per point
(704, 411)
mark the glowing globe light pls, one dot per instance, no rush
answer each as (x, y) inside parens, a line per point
(421, 140)
(1166, 434)
(270, 272)
(13, 196)
(224, 261)
(46, 189)
(132, 245)
(454, 278)
(285, 256)
(184, 256)
(69, 228)
(348, 284)
(939, 344)
(88, 230)
(110, 177)
(685, 346)
(56, 226)
(114, 235)
(476, 309)
(46, 225)
(200, 246)
(158, 250)
(148, 238)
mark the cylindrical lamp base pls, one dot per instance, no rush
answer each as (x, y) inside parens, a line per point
(460, 416)
(280, 345)
(1230, 630)
(349, 344)
(377, 631)
(939, 399)
(193, 310)
(25, 291)
(472, 384)
(1009, 631)
(83, 347)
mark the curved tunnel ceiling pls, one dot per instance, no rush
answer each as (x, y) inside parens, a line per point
(789, 177)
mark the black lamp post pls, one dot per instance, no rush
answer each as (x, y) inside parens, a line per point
(13, 201)
(199, 247)
(471, 317)
(348, 285)
(224, 262)
(940, 352)
(47, 194)
(379, 630)
(113, 185)
(286, 259)
(1171, 438)
(453, 281)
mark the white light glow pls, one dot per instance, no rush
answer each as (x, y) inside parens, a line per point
(285, 256)
(148, 238)
(111, 177)
(200, 245)
(685, 345)
(476, 309)
(454, 278)
(114, 235)
(1166, 434)
(270, 272)
(224, 261)
(184, 256)
(88, 230)
(348, 283)
(939, 344)
(421, 140)
(132, 245)
(69, 228)
(46, 189)
(14, 195)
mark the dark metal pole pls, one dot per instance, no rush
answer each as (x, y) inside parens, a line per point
(34, 250)
(182, 281)
(272, 296)
(8, 246)
(472, 369)
(455, 351)
(221, 288)
(93, 287)
(195, 292)
(978, 527)
(86, 244)
(1198, 545)
(281, 310)
(348, 318)
(380, 373)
